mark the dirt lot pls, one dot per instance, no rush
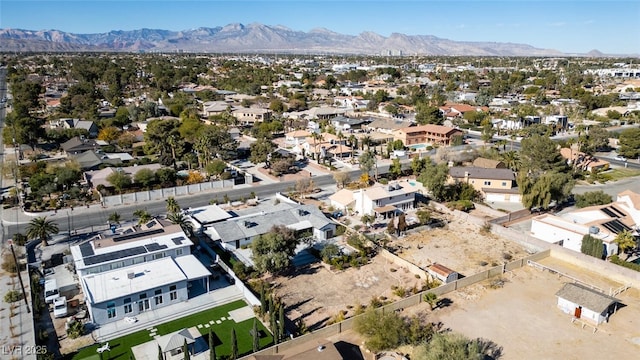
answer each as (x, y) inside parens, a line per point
(522, 317)
(318, 294)
(460, 246)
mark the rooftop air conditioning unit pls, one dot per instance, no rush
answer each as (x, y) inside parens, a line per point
(594, 229)
(131, 275)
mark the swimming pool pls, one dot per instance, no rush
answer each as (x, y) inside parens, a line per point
(418, 146)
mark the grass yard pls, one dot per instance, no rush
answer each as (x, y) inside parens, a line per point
(621, 173)
(121, 347)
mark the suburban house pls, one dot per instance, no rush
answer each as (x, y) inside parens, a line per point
(213, 108)
(426, 134)
(451, 111)
(68, 123)
(297, 136)
(347, 124)
(250, 116)
(328, 145)
(603, 222)
(583, 161)
(249, 224)
(586, 304)
(78, 145)
(379, 200)
(387, 125)
(99, 177)
(137, 269)
(559, 121)
(495, 184)
(324, 113)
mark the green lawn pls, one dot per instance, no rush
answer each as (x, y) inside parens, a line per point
(121, 347)
(621, 173)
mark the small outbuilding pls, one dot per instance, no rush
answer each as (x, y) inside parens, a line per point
(173, 343)
(586, 304)
(442, 273)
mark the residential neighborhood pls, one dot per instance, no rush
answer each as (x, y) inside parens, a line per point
(222, 206)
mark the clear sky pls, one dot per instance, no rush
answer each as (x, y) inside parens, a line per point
(611, 26)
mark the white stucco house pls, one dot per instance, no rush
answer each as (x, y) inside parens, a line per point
(137, 269)
(603, 222)
(379, 199)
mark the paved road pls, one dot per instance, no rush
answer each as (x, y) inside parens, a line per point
(81, 218)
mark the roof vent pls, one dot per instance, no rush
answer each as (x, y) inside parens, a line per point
(131, 275)
(320, 348)
(594, 229)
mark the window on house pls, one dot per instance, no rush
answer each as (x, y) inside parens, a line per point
(178, 252)
(111, 310)
(504, 183)
(127, 305)
(487, 183)
(158, 299)
(158, 256)
(173, 294)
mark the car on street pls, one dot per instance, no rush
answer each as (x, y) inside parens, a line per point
(620, 158)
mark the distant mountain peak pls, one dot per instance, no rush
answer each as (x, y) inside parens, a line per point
(258, 37)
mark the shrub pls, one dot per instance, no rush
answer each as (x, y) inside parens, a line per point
(12, 296)
(400, 292)
(461, 205)
(616, 260)
(75, 330)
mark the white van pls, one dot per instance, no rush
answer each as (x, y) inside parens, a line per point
(60, 307)
(50, 290)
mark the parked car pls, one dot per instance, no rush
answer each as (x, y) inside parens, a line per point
(620, 158)
(60, 307)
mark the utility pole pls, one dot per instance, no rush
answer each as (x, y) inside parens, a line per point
(24, 293)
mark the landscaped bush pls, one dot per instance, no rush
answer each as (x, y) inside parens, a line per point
(12, 296)
(629, 265)
(461, 205)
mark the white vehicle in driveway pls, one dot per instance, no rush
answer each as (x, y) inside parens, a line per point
(50, 290)
(60, 307)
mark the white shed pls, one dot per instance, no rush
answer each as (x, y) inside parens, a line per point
(586, 304)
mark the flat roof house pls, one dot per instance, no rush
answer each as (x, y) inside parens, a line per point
(137, 269)
(603, 222)
(250, 116)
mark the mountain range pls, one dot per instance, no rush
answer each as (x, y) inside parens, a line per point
(257, 38)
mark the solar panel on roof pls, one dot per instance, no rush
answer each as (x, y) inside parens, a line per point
(615, 226)
(120, 254)
(86, 249)
(617, 211)
(154, 247)
(609, 213)
(178, 240)
(137, 235)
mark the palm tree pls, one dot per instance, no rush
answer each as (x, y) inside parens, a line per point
(367, 140)
(340, 138)
(180, 219)
(172, 205)
(114, 218)
(41, 228)
(510, 159)
(316, 137)
(626, 241)
(142, 215)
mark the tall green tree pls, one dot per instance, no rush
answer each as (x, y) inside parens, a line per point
(434, 178)
(212, 346)
(41, 228)
(234, 345)
(272, 251)
(367, 161)
(591, 198)
(260, 150)
(541, 191)
(142, 215)
(629, 141)
(119, 180)
(540, 154)
(255, 335)
(592, 246)
(382, 331)
(185, 350)
(426, 114)
(172, 205)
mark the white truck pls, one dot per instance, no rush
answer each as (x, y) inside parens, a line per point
(60, 307)
(50, 290)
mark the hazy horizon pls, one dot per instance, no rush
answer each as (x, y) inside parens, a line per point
(568, 26)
